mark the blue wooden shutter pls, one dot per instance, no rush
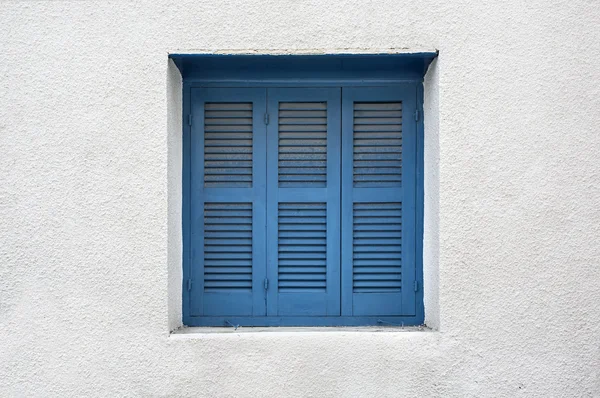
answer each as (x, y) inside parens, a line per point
(303, 199)
(228, 218)
(378, 201)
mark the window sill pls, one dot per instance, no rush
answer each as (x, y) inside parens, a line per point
(199, 332)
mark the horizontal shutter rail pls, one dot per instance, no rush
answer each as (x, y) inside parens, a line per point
(228, 139)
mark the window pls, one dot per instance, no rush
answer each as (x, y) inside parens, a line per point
(302, 204)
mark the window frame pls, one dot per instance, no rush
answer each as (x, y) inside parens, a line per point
(402, 79)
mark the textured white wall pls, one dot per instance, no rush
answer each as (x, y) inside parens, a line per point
(88, 232)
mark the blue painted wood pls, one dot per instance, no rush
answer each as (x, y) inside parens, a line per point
(211, 67)
(388, 321)
(419, 202)
(378, 200)
(227, 200)
(303, 191)
(186, 207)
(233, 306)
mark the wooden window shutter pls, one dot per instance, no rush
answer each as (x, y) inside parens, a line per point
(303, 191)
(378, 204)
(228, 200)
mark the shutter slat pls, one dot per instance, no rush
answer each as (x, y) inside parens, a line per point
(292, 256)
(302, 129)
(378, 106)
(302, 257)
(223, 106)
(372, 269)
(227, 255)
(377, 257)
(300, 270)
(377, 139)
(305, 262)
(224, 113)
(226, 135)
(228, 128)
(376, 263)
(302, 135)
(228, 138)
(302, 106)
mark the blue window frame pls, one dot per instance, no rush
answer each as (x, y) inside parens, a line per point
(303, 191)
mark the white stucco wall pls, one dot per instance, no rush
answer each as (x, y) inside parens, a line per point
(89, 239)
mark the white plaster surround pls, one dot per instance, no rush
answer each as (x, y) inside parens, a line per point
(90, 194)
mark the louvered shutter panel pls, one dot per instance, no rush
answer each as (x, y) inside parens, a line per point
(227, 202)
(378, 202)
(303, 208)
